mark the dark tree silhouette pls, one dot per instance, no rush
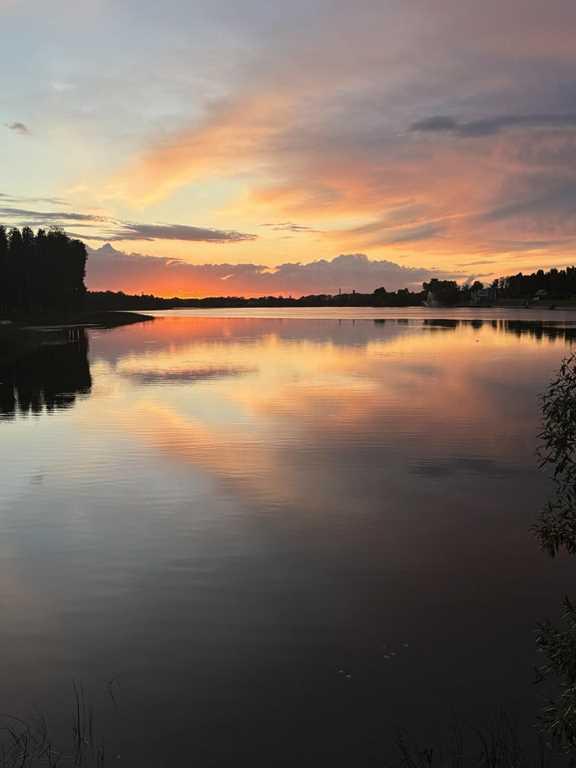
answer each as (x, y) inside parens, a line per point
(445, 292)
(557, 284)
(4, 292)
(40, 273)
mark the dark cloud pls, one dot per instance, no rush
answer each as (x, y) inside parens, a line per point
(517, 249)
(492, 125)
(288, 226)
(111, 269)
(129, 231)
(6, 198)
(48, 217)
(395, 228)
(410, 234)
(437, 124)
(20, 128)
(117, 230)
(537, 199)
(483, 263)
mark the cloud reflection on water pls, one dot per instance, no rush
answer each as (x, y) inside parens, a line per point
(359, 484)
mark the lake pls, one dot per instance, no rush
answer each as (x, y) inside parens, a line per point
(275, 537)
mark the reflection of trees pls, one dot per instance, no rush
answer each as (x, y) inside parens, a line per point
(533, 329)
(539, 330)
(449, 325)
(46, 378)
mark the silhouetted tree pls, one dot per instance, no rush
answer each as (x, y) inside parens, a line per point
(4, 286)
(556, 284)
(42, 272)
(443, 291)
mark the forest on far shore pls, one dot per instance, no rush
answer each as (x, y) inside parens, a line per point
(44, 273)
(551, 286)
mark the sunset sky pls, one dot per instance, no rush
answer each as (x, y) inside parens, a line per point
(251, 147)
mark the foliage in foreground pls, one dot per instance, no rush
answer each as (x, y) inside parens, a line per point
(29, 744)
(559, 646)
(496, 746)
(557, 526)
(556, 530)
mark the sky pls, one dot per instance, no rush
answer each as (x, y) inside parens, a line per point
(218, 147)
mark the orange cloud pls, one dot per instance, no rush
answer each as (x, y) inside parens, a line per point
(225, 143)
(321, 128)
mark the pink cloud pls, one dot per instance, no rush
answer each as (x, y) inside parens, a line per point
(110, 269)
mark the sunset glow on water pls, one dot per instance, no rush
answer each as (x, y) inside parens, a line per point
(298, 531)
(287, 383)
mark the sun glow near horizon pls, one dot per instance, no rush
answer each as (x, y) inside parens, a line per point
(254, 140)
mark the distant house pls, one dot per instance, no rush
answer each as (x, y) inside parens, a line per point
(431, 300)
(481, 297)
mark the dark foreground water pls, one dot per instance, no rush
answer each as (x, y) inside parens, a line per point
(267, 541)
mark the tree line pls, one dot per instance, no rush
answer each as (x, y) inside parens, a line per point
(446, 291)
(553, 284)
(44, 272)
(40, 272)
(556, 283)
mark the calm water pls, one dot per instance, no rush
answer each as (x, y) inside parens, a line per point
(277, 540)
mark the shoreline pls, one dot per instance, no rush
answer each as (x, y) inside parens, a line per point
(23, 335)
(202, 305)
(100, 319)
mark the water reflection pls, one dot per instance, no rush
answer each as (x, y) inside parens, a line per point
(534, 329)
(50, 376)
(47, 377)
(177, 330)
(186, 375)
(280, 408)
(243, 508)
